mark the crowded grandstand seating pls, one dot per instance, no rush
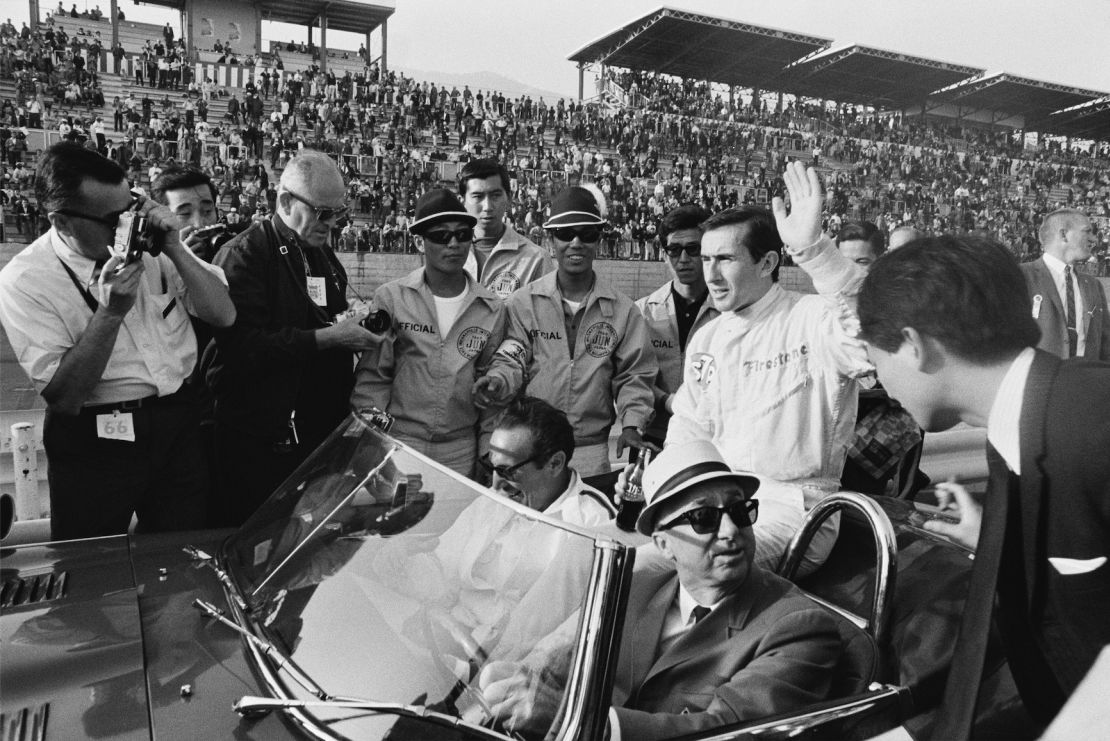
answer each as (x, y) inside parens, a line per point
(648, 141)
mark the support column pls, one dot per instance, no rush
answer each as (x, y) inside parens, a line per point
(113, 10)
(33, 14)
(385, 47)
(366, 60)
(324, 39)
(581, 81)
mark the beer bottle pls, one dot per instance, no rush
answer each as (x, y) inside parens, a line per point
(632, 501)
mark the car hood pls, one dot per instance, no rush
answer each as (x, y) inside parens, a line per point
(100, 640)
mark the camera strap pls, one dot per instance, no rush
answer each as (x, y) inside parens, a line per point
(85, 293)
(300, 276)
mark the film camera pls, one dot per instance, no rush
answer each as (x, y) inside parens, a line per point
(377, 321)
(133, 237)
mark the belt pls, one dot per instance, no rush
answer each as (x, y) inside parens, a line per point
(177, 397)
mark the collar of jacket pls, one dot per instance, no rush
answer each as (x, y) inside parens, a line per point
(415, 282)
(602, 293)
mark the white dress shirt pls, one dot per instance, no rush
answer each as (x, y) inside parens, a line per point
(1004, 421)
(1056, 268)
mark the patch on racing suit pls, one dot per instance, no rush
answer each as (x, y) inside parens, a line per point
(702, 368)
(600, 339)
(505, 283)
(471, 341)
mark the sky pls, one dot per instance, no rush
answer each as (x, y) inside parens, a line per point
(1064, 41)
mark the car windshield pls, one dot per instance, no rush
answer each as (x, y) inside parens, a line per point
(387, 577)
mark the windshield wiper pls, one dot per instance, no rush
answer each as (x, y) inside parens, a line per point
(204, 558)
(281, 661)
(251, 706)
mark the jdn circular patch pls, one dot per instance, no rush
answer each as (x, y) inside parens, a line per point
(505, 283)
(471, 341)
(600, 339)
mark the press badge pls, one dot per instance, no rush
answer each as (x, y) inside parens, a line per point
(317, 290)
(115, 426)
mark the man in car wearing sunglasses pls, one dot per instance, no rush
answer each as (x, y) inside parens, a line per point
(710, 639)
(440, 373)
(282, 374)
(108, 344)
(676, 309)
(586, 344)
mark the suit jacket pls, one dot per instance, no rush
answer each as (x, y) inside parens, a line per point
(1052, 320)
(766, 649)
(1055, 613)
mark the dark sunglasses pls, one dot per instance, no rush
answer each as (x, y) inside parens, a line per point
(705, 520)
(506, 472)
(443, 236)
(584, 233)
(693, 249)
(111, 221)
(324, 213)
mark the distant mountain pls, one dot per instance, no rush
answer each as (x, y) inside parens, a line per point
(483, 81)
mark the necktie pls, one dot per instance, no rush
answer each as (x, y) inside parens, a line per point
(1069, 297)
(962, 688)
(697, 614)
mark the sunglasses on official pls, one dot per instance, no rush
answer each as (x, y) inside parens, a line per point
(706, 520)
(323, 213)
(507, 472)
(444, 236)
(584, 233)
(693, 249)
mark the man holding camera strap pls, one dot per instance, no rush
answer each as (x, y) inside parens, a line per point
(105, 337)
(282, 374)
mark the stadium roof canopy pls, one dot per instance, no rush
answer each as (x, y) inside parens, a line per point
(701, 47)
(1085, 121)
(343, 15)
(874, 77)
(1008, 94)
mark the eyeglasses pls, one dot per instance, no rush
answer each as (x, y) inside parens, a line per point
(584, 233)
(111, 221)
(507, 472)
(324, 213)
(705, 520)
(693, 249)
(443, 236)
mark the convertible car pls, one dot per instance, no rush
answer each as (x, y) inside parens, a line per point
(372, 592)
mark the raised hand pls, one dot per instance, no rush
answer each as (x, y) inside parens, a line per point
(802, 227)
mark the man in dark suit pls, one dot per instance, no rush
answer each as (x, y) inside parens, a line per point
(710, 640)
(952, 336)
(1069, 306)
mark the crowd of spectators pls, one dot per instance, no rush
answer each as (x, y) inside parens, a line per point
(650, 142)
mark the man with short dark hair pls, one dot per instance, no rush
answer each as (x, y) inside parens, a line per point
(772, 380)
(192, 196)
(1069, 306)
(861, 242)
(677, 309)
(106, 339)
(710, 639)
(282, 375)
(529, 458)
(949, 327)
(501, 259)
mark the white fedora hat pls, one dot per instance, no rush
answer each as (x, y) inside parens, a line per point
(678, 468)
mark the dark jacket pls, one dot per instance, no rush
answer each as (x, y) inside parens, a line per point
(267, 364)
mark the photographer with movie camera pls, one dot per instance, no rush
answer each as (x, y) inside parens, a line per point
(97, 312)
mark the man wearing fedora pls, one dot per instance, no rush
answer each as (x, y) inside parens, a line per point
(439, 372)
(713, 639)
(586, 344)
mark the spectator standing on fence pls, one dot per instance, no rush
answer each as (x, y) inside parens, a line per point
(587, 347)
(283, 373)
(502, 260)
(677, 309)
(108, 344)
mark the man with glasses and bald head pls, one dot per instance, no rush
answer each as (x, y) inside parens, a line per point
(106, 339)
(282, 374)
